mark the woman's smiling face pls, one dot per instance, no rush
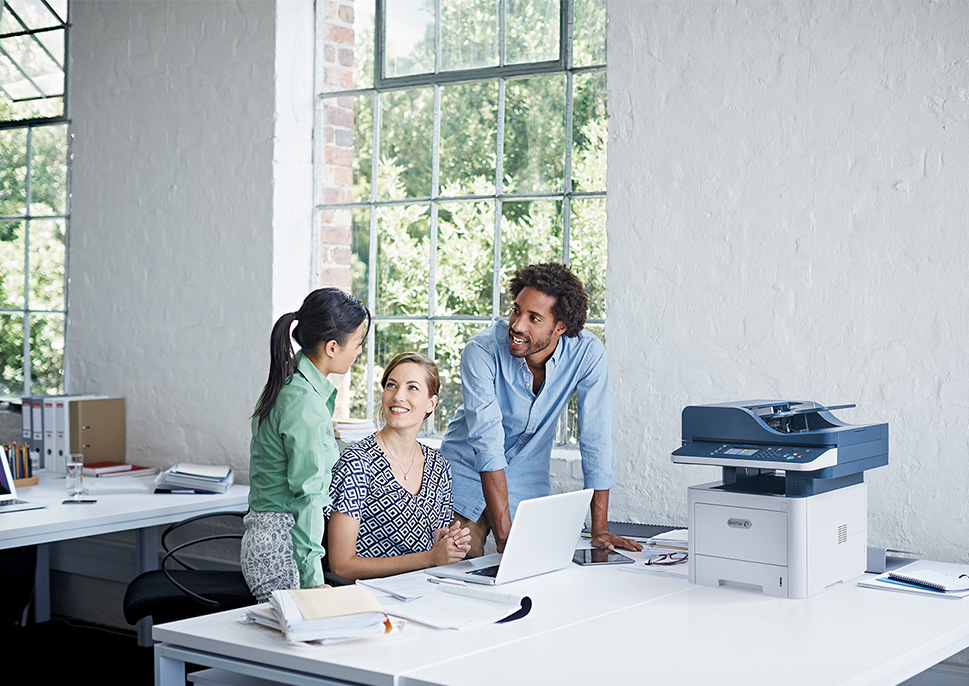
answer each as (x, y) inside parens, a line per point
(406, 400)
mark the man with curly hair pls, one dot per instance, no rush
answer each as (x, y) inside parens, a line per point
(517, 377)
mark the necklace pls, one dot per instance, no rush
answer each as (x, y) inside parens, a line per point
(413, 459)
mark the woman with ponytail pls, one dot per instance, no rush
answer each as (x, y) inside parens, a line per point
(293, 450)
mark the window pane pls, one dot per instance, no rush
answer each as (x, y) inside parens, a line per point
(469, 130)
(407, 125)
(32, 77)
(47, 264)
(449, 340)
(403, 254)
(34, 14)
(531, 232)
(347, 142)
(409, 37)
(465, 258)
(12, 266)
(587, 248)
(589, 40)
(12, 355)
(360, 254)
(393, 338)
(48, 170)
(345, 52)
(589, 131)
(532, 29)
(13, 171)
(534, 147)
(47, 354)
(469, 34)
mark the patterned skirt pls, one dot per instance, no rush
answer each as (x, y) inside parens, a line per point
(267, 553)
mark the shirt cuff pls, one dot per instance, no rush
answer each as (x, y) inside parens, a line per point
(490, 463)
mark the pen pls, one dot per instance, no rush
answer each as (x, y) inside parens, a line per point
(453, 582)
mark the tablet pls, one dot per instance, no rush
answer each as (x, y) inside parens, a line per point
(600, 556)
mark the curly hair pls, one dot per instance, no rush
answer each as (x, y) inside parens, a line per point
(557, 281)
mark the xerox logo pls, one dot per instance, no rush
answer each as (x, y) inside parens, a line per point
(739, 523)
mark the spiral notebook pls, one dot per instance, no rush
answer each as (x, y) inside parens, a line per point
(921, 580)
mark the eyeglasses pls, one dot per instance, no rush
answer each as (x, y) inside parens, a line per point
(667, 559)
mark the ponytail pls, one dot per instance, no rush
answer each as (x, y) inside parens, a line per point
(327, 314)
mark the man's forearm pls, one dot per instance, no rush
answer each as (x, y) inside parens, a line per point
(495, 489)
(600, 512)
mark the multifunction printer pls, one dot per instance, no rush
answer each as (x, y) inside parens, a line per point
(789, 516)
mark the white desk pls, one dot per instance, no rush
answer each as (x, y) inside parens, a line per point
(123, 504)
(587, 623)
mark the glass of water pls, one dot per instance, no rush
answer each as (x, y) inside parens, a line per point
(75, 468)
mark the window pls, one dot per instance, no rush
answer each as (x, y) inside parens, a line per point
(457, 141)
(33, 195)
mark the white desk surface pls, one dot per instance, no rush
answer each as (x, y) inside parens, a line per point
(123, 503)
(559, 600)
(588, 623)
(845, 635)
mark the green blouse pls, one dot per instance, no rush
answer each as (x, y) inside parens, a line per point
(291, 457)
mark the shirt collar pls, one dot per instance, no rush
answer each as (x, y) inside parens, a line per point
(314, 376)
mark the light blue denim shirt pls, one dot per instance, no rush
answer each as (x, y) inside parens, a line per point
(502, 424)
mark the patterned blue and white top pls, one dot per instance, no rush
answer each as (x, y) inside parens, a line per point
(392, 520)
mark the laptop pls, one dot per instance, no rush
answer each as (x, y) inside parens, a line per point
(542, 539)
(8, 489)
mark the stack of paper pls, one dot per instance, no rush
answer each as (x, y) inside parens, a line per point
(351, 430)
(197, 478)
(677, 539)
(324, 614)
(922, 581)
(455, 605)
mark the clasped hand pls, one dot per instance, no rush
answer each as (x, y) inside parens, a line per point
(451, 544)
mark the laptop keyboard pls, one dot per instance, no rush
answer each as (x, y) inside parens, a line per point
(486, 571)
(12, 501)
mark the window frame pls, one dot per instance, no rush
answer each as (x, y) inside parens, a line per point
(30, 125)
(438, 79)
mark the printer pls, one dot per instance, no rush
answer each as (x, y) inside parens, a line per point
(789, 516)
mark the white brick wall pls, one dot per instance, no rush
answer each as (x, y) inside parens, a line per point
(787, 209)
(191, 212)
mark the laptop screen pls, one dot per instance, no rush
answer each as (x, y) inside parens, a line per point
(6, 480)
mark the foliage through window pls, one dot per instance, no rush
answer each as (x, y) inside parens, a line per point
(456, 142)
(33, 195)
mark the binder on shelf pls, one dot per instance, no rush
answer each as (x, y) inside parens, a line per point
(95, 427)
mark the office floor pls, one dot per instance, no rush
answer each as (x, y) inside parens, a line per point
(70, 652)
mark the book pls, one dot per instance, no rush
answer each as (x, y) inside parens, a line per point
(105, 467)
(921, 580)
(315, 614)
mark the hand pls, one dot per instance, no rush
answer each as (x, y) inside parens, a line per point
(461, 537)
(445, 550)
(611, 541)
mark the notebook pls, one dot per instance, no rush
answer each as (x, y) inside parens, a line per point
(542, 540)
(8, 489)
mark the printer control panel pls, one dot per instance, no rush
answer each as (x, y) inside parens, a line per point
(794, 458)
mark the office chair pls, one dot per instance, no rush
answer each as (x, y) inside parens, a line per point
(165, 594)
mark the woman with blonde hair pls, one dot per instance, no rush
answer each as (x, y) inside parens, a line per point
(391, 506)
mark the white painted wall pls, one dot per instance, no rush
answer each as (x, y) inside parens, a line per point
(786, 219)
(191, 212)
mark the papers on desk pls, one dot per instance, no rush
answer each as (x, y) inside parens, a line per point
(677, 539)
(405, 587)
(455, 605)
(194, 478)
(323, 614)
(921, 580)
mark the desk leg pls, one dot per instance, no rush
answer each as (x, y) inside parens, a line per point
(146, 549)
(42, 584)
(169, 671)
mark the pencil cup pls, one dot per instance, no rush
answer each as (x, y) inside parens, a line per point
(75, 467)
